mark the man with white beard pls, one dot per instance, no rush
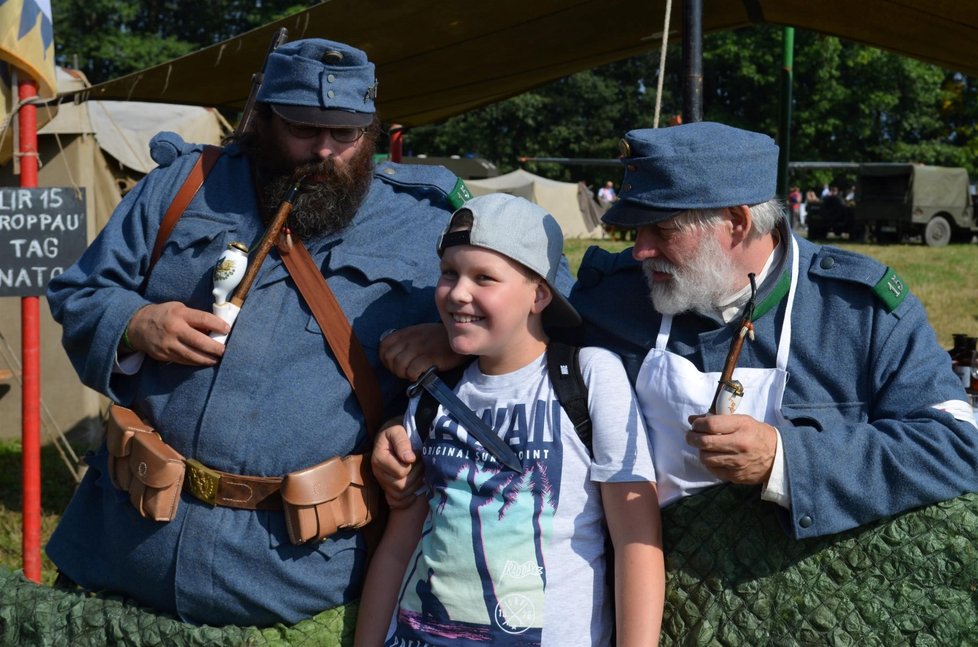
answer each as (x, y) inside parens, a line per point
(872, 421)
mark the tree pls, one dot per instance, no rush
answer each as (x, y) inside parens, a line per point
(583, 115)
(852, 103)
(110, 38)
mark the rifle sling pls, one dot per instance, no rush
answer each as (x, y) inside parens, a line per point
(187, 191)
(313, 287)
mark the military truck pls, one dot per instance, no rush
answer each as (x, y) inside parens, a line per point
(831, 215)
(897, 200)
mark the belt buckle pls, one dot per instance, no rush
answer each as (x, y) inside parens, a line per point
(202, 481)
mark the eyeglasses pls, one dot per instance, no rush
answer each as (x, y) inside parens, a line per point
(342, 134)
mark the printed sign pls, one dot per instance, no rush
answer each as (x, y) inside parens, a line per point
(42, 232)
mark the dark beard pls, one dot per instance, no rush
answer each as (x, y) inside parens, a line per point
(324, 206)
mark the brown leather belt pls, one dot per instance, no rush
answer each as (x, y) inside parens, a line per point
(233, 490)
(333, 495)
(336, 494)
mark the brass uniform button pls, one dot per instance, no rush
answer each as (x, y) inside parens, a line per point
(624, 149)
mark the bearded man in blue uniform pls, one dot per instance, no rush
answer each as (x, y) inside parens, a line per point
(273, 400)
(850, 411)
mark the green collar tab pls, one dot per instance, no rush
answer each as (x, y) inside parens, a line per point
(891, 290)
(459, 195)
(772, 299)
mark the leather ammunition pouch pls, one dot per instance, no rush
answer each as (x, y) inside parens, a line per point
(141, 464)
(338, 494)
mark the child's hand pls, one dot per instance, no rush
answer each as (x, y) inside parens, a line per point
(395, 465)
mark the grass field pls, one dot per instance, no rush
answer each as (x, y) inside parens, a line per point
(945, 280)
(56, 488)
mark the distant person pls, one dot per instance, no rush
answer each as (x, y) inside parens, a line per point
(795, 204)
(607, 195)
(519, 558)
(832, 200)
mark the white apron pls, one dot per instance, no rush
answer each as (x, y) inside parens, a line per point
(670, 389)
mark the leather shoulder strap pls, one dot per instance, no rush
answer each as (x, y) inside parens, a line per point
(187, 191)
(338, 332)
(331, 318)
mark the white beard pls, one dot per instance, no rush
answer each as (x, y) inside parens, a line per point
(699, 285)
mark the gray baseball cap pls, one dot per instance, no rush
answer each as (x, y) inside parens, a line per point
(522, 231)
(317, 82)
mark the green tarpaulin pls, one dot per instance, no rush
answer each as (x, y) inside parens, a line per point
(437, 59)
(733, 578)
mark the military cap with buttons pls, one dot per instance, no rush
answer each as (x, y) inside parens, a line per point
(701, 165)
(319, 82)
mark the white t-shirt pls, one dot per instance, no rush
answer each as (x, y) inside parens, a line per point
(518, 559)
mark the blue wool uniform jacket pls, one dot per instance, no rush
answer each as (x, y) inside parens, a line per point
(864, 441)
(276, 402)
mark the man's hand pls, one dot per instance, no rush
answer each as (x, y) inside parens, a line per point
(172, 332)
(734, 448)
(409, 352)
(395, 465)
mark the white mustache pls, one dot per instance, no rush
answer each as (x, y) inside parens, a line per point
(650, 265)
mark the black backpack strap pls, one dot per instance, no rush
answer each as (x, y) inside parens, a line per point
(564, 368)
(424, 416)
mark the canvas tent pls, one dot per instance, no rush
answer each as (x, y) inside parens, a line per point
(101, 146)
(571, 204)
(467, 168)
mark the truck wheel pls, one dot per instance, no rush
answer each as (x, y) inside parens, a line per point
(938, 232)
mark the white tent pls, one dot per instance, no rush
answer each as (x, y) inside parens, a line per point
(102, 146)
(571, 204)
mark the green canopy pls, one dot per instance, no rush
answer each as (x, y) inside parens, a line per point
(437, 59)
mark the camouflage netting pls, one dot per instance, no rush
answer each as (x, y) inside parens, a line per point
(734, 578)
(44, 617)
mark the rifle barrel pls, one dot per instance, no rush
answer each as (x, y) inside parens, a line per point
(265, 245)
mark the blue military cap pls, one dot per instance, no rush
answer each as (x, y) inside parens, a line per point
(701, 165)
(320, 82)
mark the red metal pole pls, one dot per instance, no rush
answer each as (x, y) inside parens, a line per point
(30, 343)
(397, 142)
